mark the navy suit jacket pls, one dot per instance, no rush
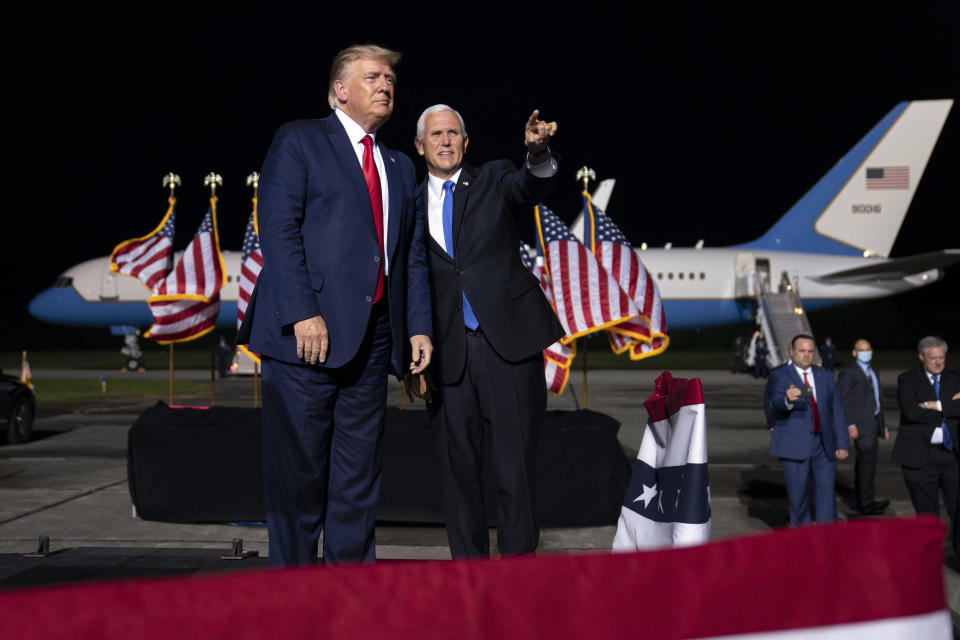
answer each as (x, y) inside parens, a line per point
(509, 304)
(859, 403)
(320, 249)
(792, 427)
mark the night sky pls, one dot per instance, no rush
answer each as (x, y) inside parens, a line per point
(713, 123)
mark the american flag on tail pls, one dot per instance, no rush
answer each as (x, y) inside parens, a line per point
(668, 500)
(586, 298)
(251, 264)
(557, 357)
(186, 303)
(147, 258)
(642, 336)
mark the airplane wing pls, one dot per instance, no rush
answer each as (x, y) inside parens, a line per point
(896, 268)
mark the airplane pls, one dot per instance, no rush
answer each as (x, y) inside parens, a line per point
(832, 245)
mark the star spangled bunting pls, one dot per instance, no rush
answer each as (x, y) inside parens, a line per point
(645, 335)
(147, 258)
(185, 305)
(668, 499)
(557, 357)
(586, 298)
(251, 264)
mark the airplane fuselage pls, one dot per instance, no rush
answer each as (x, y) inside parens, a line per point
(700, 287)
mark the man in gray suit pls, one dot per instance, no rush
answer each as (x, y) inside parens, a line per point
(859, 387)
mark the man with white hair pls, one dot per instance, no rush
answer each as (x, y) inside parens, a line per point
(491, 323)
(926, 445)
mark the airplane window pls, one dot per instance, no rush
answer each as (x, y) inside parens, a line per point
(703, 275)
(660, 276)
(692, 276)
(229, 278)
(669, 276)
(680, 275)
(63, 281)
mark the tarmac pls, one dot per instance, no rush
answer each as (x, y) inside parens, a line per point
(69, 482)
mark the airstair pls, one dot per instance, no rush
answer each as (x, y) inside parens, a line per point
(781, 316)
(780, 313)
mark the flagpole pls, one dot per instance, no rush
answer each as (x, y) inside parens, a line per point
(585, 400)
(171, 374)
(213, 371)
(253, 180)
(585, 174)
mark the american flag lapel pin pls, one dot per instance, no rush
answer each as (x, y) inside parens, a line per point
(393, 160)
(466, 184)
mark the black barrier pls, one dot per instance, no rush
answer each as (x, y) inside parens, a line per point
(203, 465)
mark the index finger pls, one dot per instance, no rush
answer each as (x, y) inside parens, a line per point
(532, 120)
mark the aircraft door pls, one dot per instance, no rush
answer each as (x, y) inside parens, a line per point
(746, 268)
(763, 272)
(108, 284)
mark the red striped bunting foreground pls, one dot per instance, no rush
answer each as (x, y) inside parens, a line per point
(872, 578)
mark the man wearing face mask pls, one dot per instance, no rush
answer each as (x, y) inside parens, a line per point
(859, 387)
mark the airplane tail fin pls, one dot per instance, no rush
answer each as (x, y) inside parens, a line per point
(857, 208)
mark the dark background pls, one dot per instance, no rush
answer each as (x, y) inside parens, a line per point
(713, 123)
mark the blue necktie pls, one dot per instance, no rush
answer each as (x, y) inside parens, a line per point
(947, 439)
(469, 319)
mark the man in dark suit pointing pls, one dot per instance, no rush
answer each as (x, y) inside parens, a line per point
(491, 324)
(342, 301)
(808, 431)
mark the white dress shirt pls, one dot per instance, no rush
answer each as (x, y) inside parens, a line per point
(937, 437)
(435, 195)
(356, 133)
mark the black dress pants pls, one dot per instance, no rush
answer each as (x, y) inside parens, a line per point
(504, 401)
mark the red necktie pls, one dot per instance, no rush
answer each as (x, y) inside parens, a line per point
(813, 405)
(372, 176)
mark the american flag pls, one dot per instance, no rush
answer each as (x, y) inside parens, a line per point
(147, 258)
(888, 177)
(557, 357)
(185, 304)
(252, 263)
(586, 298)
(199, 273)
(183, 320)
(645, 335)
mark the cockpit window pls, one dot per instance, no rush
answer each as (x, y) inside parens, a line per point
(63, 281)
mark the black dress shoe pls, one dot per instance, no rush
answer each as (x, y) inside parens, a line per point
(874, 508)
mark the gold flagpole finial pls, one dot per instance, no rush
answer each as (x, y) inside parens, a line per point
(586, 174)
(213, 180)
(171, 180)
(253, 180)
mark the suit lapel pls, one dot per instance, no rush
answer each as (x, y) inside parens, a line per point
(460, 196)
(394, 195)
(351, 168)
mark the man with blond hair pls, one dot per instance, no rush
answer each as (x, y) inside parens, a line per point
(342, 301)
